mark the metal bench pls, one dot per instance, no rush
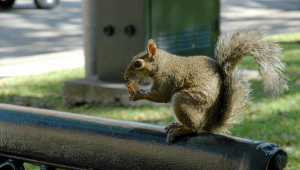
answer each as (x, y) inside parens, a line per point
(54, 139)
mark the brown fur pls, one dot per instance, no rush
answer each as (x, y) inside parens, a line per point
(205, 94)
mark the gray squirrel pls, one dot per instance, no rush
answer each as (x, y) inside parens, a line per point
(206, 95)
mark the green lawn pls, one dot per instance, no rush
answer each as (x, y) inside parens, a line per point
(276, 120)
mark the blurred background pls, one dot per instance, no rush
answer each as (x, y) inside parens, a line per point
(27, 31)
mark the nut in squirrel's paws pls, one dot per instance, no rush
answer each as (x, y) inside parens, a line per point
(132, 87)
(133, 90)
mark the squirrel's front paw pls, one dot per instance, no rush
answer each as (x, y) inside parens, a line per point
(134, 96)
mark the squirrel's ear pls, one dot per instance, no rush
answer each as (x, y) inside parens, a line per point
(151, 48)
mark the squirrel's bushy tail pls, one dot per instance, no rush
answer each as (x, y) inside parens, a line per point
(229, 50)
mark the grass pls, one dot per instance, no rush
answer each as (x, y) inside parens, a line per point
(275, 121)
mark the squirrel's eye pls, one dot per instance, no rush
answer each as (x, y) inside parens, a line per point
(138, 64)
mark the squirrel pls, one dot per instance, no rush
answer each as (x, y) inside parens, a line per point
(205, 94)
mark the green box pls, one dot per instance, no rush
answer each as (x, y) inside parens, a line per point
(184, 27)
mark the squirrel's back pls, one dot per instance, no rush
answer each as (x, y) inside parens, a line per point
(197, 73)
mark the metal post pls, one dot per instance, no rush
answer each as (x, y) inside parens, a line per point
(89, 11)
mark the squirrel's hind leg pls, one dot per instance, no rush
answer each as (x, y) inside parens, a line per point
(172, 133)
(189, 109)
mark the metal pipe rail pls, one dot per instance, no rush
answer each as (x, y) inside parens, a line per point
(71, 141)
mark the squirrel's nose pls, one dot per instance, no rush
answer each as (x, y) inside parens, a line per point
(126, 78)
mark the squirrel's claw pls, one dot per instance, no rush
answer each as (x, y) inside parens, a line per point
(172, 126)
(176, 129)
(171, 133)
(134, 96)
(130, 96)
(170, 137)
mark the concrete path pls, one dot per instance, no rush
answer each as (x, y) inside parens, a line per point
(42, 63)
(34, 41)
(276, 16)
(26, 31)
